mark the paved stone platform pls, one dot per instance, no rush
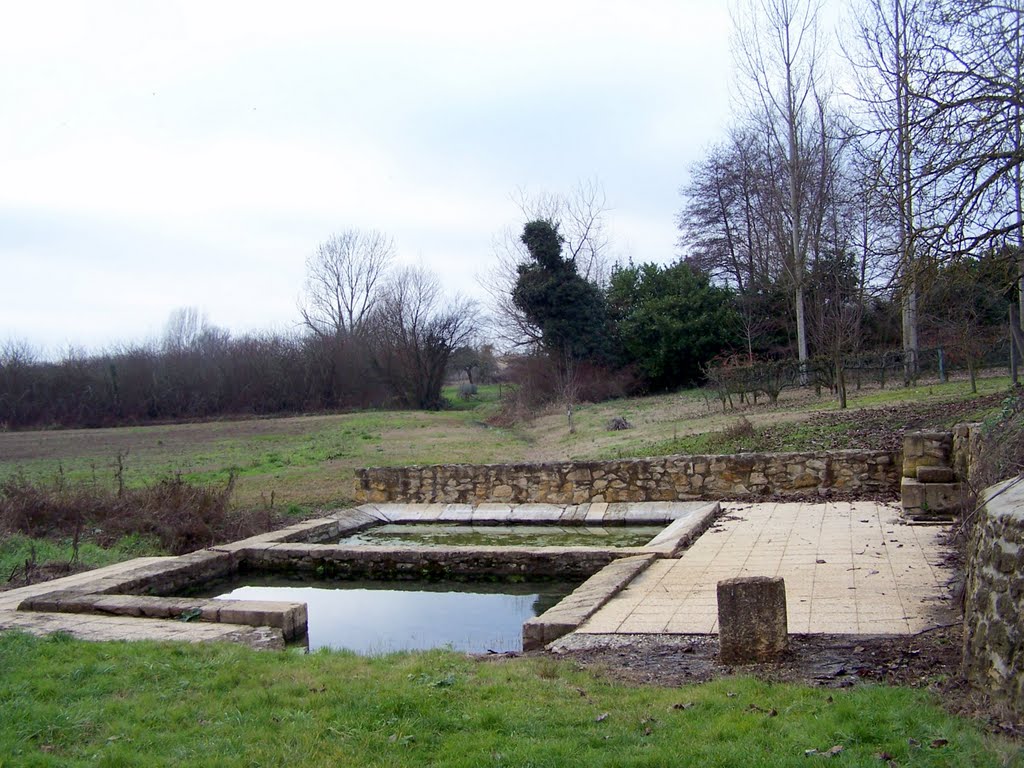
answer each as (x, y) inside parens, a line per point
(850, 568)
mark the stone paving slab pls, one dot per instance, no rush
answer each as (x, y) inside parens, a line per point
(849, 567)
(88, 627)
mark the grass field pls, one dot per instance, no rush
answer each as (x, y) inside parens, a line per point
(306, 462)
(70, 703)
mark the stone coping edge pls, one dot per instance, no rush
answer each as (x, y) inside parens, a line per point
(288, 617)
(128, 628)
(684, 531)
(583, 602)
(348, 521)
(527, 513)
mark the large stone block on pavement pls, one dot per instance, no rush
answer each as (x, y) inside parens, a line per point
(752, 624)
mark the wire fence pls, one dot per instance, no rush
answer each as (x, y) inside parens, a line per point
(769, 378)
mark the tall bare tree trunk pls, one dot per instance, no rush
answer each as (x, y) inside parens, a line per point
(1018, 146)
(908, 256)
(795, 168)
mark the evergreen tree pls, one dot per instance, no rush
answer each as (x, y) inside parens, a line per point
(569, 310)
(670, 321)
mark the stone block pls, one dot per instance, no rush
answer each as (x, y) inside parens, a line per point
(752, 622)
(290, 618)
(926, 449)
(930, 502)
(936, 474)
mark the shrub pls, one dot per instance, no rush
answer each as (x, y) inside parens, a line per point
(181, 516)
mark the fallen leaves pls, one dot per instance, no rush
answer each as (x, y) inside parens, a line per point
(830, 752)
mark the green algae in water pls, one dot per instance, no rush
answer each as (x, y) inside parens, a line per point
(456, 535)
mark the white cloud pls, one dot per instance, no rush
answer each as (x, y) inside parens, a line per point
(162, 155)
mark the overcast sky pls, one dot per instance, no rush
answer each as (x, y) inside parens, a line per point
(157, 155)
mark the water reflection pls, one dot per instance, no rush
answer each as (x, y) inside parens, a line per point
(371, 617)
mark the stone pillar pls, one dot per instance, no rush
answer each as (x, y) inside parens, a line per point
(752, 619)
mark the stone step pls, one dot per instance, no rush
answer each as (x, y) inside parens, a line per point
(936, 475)
(931, 502)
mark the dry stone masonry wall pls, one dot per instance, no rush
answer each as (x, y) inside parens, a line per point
(663, 478)
(994, 606)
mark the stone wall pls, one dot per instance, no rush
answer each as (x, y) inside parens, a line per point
(662, 478)
(994, 597)
(967, 449)
(415, 563)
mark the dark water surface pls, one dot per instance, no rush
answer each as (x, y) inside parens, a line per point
(457, 535)
(372, 617)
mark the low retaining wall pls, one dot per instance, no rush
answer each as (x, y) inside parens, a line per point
(994, 599)
(662, 478)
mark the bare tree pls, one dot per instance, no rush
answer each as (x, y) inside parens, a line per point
(724, 221)
(892, 44)
(581, 219)
(184, 329)
(343, 278)
(725, 225)
(414, 330)
(835, 315)
(973, 116)
(17, 359)
(779, 59)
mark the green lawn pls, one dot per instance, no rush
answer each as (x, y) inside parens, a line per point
(69, 703)
(17, 550)
(305, 461)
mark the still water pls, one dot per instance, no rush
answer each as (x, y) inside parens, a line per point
(373, 617)
(456, 535)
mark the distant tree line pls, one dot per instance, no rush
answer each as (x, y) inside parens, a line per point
(371, 336)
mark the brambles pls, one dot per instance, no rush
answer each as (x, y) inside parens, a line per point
(178, 515)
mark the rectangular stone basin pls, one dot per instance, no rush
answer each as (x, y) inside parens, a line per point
(309, 550)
